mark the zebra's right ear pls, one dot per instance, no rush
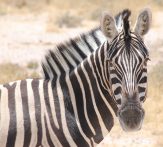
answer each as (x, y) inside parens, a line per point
(108, 26)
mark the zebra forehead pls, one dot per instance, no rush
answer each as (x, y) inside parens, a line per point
(135, 45)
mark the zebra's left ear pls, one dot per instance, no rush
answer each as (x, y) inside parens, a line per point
(108, 26)
(143, 22)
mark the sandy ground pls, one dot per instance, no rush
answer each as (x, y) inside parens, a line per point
(23, 38)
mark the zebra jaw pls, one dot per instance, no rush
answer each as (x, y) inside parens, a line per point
(131, 116)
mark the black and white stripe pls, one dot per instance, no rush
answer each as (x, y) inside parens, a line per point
(74, 105)
(72, 110)
(71, 53)
(74, 51)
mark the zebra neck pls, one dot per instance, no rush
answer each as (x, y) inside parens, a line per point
(92, 103)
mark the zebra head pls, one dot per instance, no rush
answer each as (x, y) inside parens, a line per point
(128, 56)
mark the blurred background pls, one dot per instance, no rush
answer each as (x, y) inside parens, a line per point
(29, 27)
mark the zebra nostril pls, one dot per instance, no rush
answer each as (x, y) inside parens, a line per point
(118, 101)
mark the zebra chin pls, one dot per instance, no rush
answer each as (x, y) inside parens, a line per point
(131, 117)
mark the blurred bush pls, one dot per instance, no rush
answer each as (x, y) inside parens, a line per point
(12, 72)
(68, 20)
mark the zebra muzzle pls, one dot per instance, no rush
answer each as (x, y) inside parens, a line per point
(131, 117)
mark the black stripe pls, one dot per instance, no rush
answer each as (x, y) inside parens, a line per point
(53, 71)
(103, 109)
(35, 88)
(87, 43)
(141, 89)
(63, 48)
(95, 38)
(75, 46)
(26, 116)
(115, 80)
(58, 132)
(58, 63)
(79, 103)
(70, 118)
(89, 105)
(71, 67)
(47, 104)
(47, 134)
(46, 74)
(143, 80)
(12, 132)
(97, 68)
(140, 74)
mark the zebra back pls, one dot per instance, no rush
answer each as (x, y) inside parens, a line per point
(66, 56)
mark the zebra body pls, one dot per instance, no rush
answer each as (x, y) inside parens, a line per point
(74, 105)
(66, 112)
(78, 112)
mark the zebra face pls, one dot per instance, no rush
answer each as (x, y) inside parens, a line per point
(128, 56)
(128, 78)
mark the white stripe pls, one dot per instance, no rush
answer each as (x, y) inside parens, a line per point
(31, 105)
(84, 101)
(53, 136)
(63, 112)
(62, 60)
(5, 117)
(103, 127)
(19, 116)
(69, 58)
(52, 105)
(91, 42)
(100, 36)
(76, 54)
(101, 66)
(73, 100)
(82, 45)
(42, 103)
(93, 99)
(48, 69)
(55, 67)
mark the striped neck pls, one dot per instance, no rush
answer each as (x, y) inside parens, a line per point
(92, 98)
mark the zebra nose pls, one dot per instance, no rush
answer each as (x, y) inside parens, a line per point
(131, 117)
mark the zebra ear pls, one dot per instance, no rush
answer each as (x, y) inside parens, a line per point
(108, 26)
(143, 22)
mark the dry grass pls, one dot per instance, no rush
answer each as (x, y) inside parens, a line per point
(32, 65)
(12, 72)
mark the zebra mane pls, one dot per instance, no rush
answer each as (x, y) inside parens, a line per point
(66, 56)
(126, 28)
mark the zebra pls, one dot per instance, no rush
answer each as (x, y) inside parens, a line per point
(77, 107)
